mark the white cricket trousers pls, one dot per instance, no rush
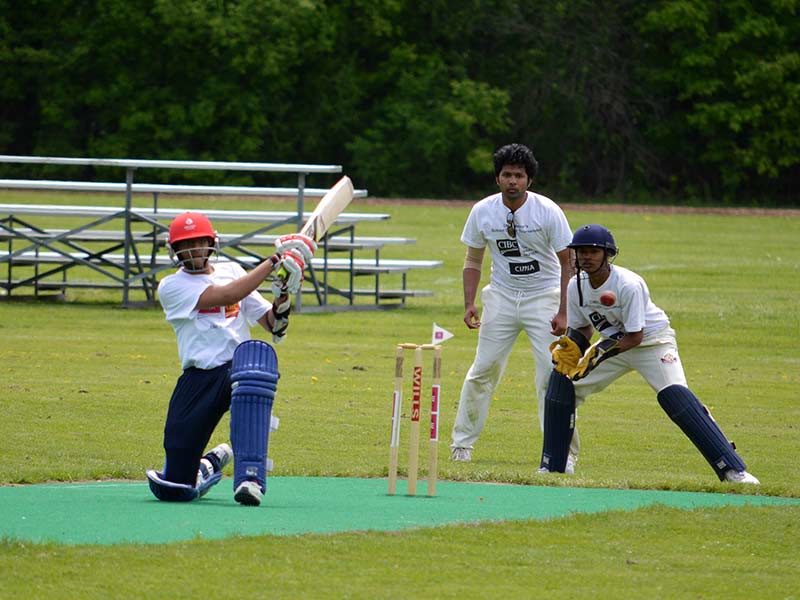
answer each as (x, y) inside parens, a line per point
(658, 363)
(505, 314)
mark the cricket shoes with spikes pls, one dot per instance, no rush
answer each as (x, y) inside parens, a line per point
(741, 477)
(248, 493)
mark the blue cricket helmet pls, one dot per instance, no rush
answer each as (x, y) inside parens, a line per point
(594, 235)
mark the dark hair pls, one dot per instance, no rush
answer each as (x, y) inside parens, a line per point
(515, 154)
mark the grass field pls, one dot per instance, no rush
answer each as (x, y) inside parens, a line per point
(85, 386)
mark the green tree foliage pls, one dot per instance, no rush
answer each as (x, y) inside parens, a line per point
(729, 73)
(179, 79)
(569, 69)
(29, 56)
(615, 97)
(430, 126)
(429, 130)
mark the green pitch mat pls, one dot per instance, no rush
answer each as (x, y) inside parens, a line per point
(121, 512)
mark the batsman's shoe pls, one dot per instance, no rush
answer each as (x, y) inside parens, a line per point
(741, 477)
(248, 493)
(224, 455)
(461, 454)
(213, 462)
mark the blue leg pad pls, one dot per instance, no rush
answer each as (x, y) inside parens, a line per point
(693, 418)
(254, 377)
(559, 422)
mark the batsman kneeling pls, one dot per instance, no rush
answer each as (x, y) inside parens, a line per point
(211, 307)
(635, 336)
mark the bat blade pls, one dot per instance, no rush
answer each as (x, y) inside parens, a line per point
(330, 207)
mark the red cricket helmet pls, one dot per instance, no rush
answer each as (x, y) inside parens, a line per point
(190, 225)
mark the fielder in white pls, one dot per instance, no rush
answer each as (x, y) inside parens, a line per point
(527, 235)
(635, 335)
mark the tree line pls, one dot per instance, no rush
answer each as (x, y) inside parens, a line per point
(679, 99)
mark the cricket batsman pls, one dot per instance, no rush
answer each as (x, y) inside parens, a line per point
(211, 306)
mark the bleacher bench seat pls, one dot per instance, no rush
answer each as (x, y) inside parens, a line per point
(96, 235)
(360, 266)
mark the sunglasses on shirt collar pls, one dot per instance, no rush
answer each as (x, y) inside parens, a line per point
(511, 228)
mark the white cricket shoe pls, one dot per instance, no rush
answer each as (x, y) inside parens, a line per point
(224, 454)
(741, 477)
(248, 493)
(206, 470)
(571, 460)
(461, 455)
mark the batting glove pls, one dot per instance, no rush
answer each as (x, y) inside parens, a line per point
(299, 242)
(597, 353)
(294, 265)
(280, 312)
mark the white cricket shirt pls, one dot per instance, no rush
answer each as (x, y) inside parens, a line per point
(207, 338)
(529, 262)
(633, 310)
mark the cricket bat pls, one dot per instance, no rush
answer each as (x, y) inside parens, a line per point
(332, 204)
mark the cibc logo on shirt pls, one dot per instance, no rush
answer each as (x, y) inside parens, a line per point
(599, 321)
(508, 247)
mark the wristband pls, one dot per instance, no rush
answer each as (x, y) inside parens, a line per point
(274, 259)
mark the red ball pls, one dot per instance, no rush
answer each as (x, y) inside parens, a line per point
(608, 298)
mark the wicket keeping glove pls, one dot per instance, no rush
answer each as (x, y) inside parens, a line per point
(567, 351)
(597, 353)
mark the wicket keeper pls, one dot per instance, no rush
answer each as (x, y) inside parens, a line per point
(635, 335)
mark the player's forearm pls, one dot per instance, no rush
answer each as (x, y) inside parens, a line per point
(562, 300)
(267, 321)
(243, 286)
(471, 279)
(225, 295)
(587, 331)
(567, 271)
(630, 340)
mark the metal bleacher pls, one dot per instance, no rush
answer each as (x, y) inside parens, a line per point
(131, 257)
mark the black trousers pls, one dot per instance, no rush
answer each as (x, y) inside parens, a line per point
(200, 398)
